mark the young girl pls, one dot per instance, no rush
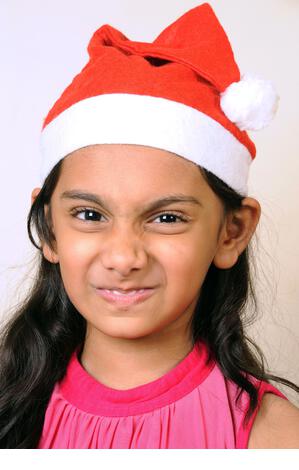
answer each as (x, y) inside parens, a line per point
(133, 333)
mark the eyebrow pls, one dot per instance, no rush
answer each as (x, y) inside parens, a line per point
(156, 204)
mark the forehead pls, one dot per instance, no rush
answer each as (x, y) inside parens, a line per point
(134, 171)
(126, 160)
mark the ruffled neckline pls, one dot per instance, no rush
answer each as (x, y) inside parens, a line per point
(83, 391)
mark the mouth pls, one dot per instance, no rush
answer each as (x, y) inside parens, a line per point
(125, 298)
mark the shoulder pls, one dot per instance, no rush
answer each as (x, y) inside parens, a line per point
(276, 425)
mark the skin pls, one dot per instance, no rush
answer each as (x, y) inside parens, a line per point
(276, 425)
(129, 346)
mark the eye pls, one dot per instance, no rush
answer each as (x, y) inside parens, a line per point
(94, 216)
(171, 215)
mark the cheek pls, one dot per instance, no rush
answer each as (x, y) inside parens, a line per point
(187, 262)
(76, 253)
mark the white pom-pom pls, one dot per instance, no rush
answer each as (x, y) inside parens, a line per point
(250, 103)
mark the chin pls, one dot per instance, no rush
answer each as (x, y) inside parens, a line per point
(130, 329)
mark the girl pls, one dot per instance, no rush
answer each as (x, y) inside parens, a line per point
(133, 333)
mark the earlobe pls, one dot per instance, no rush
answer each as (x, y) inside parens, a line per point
(226, 259)
(49, 254)
(237, 231)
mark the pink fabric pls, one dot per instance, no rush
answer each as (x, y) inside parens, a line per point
(190, 407)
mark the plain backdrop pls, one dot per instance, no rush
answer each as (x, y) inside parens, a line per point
(43, 45)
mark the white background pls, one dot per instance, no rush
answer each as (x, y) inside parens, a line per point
(43, 45)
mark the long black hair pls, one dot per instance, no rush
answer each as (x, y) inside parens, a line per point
(37, 341)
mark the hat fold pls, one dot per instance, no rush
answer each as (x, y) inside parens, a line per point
(196, 40)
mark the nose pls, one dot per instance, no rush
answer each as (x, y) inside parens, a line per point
(123, 250)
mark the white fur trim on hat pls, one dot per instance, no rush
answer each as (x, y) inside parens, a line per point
(121, 118)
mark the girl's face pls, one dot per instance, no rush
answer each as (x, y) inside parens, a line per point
(113, 238)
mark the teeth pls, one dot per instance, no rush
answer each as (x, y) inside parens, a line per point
(124, 293)
(132, 292)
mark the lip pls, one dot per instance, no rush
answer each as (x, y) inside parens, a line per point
(126, 299)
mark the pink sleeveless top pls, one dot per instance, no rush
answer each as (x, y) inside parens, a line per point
(190, 407)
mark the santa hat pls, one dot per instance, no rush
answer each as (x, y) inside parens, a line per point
(182, 93)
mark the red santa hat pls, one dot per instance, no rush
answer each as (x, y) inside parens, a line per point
(182, 93)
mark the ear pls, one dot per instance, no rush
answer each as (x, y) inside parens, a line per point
(236, 233)
(34, 194)
(48, 252)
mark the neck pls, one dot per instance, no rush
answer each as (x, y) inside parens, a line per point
(124, 363)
